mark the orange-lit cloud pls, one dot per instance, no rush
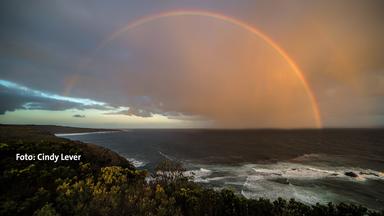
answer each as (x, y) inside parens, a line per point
(190, 66)
(236, 75)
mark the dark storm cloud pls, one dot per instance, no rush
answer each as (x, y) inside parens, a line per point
(133, 112)
(147, 112)
(11, 101)
(14, 96)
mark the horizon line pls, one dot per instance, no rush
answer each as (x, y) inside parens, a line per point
(197, 128)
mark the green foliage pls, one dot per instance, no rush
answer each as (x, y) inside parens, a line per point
(46, 210)
(96, 187)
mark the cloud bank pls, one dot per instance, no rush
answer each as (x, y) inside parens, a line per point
(196, 68)
(15, 96)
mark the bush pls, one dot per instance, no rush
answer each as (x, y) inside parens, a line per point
(97, 187)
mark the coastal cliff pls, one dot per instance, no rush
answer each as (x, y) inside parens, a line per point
(104, 183)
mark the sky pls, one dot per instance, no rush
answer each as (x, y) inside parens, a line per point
(192, 63)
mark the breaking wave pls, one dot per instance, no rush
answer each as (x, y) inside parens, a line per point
(199, 175)
(285, 179)
(137, 163)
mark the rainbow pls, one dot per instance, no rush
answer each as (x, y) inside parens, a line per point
(236, 22)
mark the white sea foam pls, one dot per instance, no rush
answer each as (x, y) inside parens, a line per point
(264, 184)
(219, 178)
(133, 159)
(199, 174)
(284, 170)
(257, 188)
(286, 180)
(299, 171)
(136, 163)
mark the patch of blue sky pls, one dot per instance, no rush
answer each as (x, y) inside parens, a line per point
(36, 93)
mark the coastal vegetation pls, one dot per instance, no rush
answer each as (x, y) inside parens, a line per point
(103, 183)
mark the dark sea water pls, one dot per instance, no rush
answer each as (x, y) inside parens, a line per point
(308, 165)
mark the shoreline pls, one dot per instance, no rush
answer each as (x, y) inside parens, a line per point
(19, 137)
(84, 133)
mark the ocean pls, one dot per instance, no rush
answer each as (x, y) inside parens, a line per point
(311, 166)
